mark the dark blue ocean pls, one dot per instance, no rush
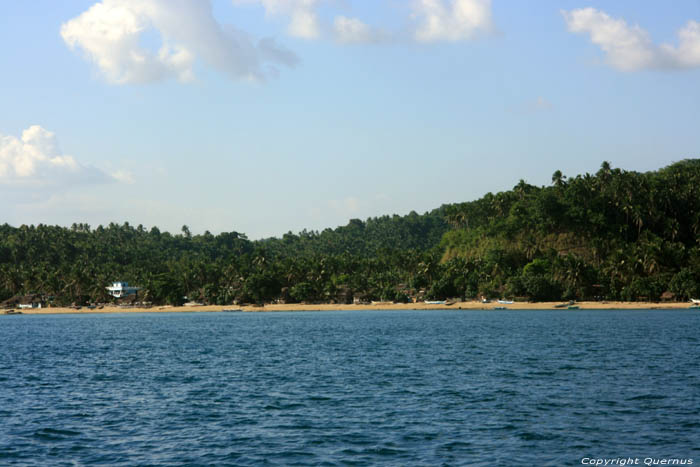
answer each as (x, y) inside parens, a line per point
(398, 388)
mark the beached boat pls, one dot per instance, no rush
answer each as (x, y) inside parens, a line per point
(695, 301)
(435, 302)
(505, 302)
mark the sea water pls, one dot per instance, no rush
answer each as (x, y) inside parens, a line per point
(350, 388)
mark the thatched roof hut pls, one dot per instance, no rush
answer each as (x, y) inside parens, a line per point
(668, 296)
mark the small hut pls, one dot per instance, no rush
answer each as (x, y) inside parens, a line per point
(24, 301)
(668, 296)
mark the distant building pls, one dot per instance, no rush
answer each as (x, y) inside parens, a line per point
(25, 301)
(668, 296)
(121, 289)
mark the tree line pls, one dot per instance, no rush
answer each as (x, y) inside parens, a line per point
(615, 234)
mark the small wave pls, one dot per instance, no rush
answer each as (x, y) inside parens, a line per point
(627, 411)
(455, 445)
(296, 426)
(530, 436)
(385, 451)
(53, 434)
(319, 398)
(419, 436)
(351, 452)
(291, 406)
(103, 377)
(78, 448)
(647, 397)
(571, 367)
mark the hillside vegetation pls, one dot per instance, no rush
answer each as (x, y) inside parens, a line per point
(614, 235)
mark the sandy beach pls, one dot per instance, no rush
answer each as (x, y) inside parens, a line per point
(470, 305)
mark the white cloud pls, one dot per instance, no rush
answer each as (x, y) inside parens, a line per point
(35, 159)
(354, 31)
(688, 52)
(438, 20)
(452, 20)
(112, 34)
(303, 18)
(629, 48)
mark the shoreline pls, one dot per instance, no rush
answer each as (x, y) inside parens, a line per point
(469, 305)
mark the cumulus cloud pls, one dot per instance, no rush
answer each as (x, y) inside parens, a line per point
(111, 33)
(436, 20)
(35, 159)
(303, 18)
(630, 48)
(451, 20)
(354, 31)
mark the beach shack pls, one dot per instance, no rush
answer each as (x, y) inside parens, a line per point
(121, 289)
(30, 301)
(668, 296)
(25, 301)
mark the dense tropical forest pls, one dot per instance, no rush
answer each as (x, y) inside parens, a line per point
(614, 235)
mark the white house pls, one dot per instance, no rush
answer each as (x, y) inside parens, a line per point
(121, 289)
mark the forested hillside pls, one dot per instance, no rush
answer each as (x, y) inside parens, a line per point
(73, 265)
(613, 235)
(365, 239)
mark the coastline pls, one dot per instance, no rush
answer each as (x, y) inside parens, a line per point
(469, 305)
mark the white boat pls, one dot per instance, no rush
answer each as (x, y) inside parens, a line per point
(695, 301)
(435, 302)
(506, 302)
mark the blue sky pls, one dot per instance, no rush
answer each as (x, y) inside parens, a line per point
(264, 116)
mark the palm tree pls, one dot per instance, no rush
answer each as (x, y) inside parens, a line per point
(558, 179)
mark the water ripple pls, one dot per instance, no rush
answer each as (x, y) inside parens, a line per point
(348, 388)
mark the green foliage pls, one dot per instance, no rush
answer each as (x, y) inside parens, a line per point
(615, 234)
(685, 284)
(622, 235)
